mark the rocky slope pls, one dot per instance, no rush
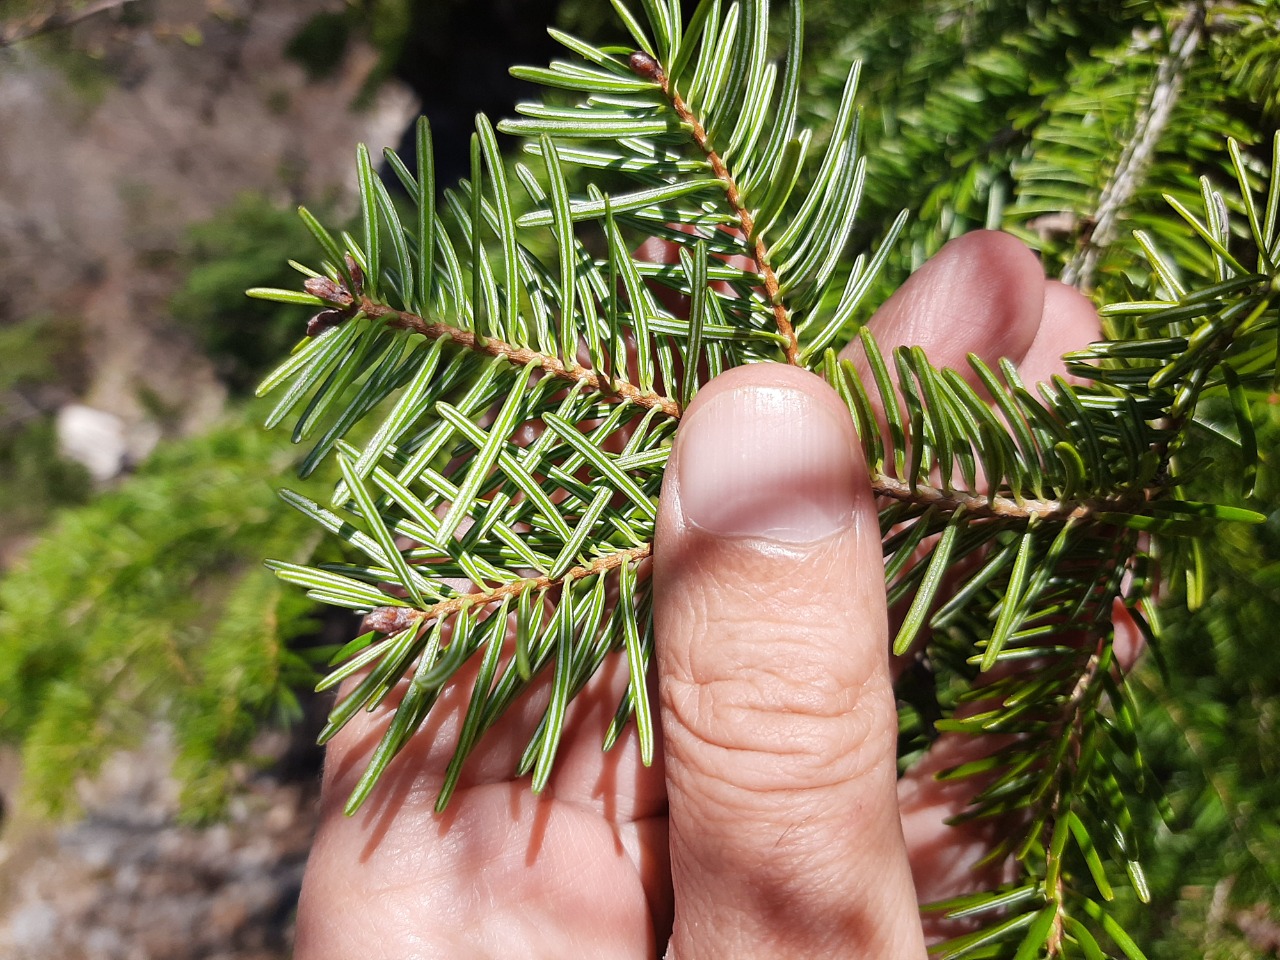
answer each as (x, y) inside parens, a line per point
(112, 142)
(111, 151)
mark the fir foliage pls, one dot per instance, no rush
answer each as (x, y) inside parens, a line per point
(149, 603)
(495, 378)
(1019, 115)
(35, 479)
(525, 376)
(1208, 706)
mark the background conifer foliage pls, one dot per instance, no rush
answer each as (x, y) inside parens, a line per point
(522, 376)
(487, 377)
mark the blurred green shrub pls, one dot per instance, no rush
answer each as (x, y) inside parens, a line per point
(320, 44)
(246, 244)
(1211, 732)
(34, 480)
(152, 602)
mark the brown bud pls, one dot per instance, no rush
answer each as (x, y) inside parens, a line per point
(323, 320)
(390, 619)
(327, 290)
(357, 275)
(643, 65)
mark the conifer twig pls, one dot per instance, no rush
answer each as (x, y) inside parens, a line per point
(520, 356)
(978, 505)
(54, 19)
(395, 619)
(1137, 154)
(647, 67)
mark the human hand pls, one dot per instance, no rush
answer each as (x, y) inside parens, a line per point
(774, 824)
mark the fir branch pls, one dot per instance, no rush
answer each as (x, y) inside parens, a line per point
(520, 356)
(395, 619)
(493, 472)
(55, 19)
(1140, 149)
(997, 505)
(645, 66)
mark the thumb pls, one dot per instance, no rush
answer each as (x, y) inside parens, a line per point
(778, 716)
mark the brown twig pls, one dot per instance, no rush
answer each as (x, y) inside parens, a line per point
(979, 505)
(396, 619)
(522, 356)
(55, 19)
(647, 67)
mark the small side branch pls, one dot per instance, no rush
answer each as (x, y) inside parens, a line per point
(976, 505)
(56, 19)
(1140, 149)
(396, 619)
(646, 66)
(521, 356)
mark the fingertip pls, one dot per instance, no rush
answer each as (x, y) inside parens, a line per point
(982, 292)
(1068, 309)
(1129, 641)
(766, 375)
(1070, 322)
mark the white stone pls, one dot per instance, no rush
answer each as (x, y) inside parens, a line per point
(94, 438)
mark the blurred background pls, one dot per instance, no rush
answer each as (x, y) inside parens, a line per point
(157, 772)
(157, 768)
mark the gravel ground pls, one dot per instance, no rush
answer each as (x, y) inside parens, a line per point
(98, 185)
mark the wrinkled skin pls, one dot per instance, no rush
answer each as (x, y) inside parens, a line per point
(772, 823)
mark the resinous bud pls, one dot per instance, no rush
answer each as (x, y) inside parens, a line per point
(327, 290)
(645, 66)
(357, 275)
(323, 321)
(390, 619)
